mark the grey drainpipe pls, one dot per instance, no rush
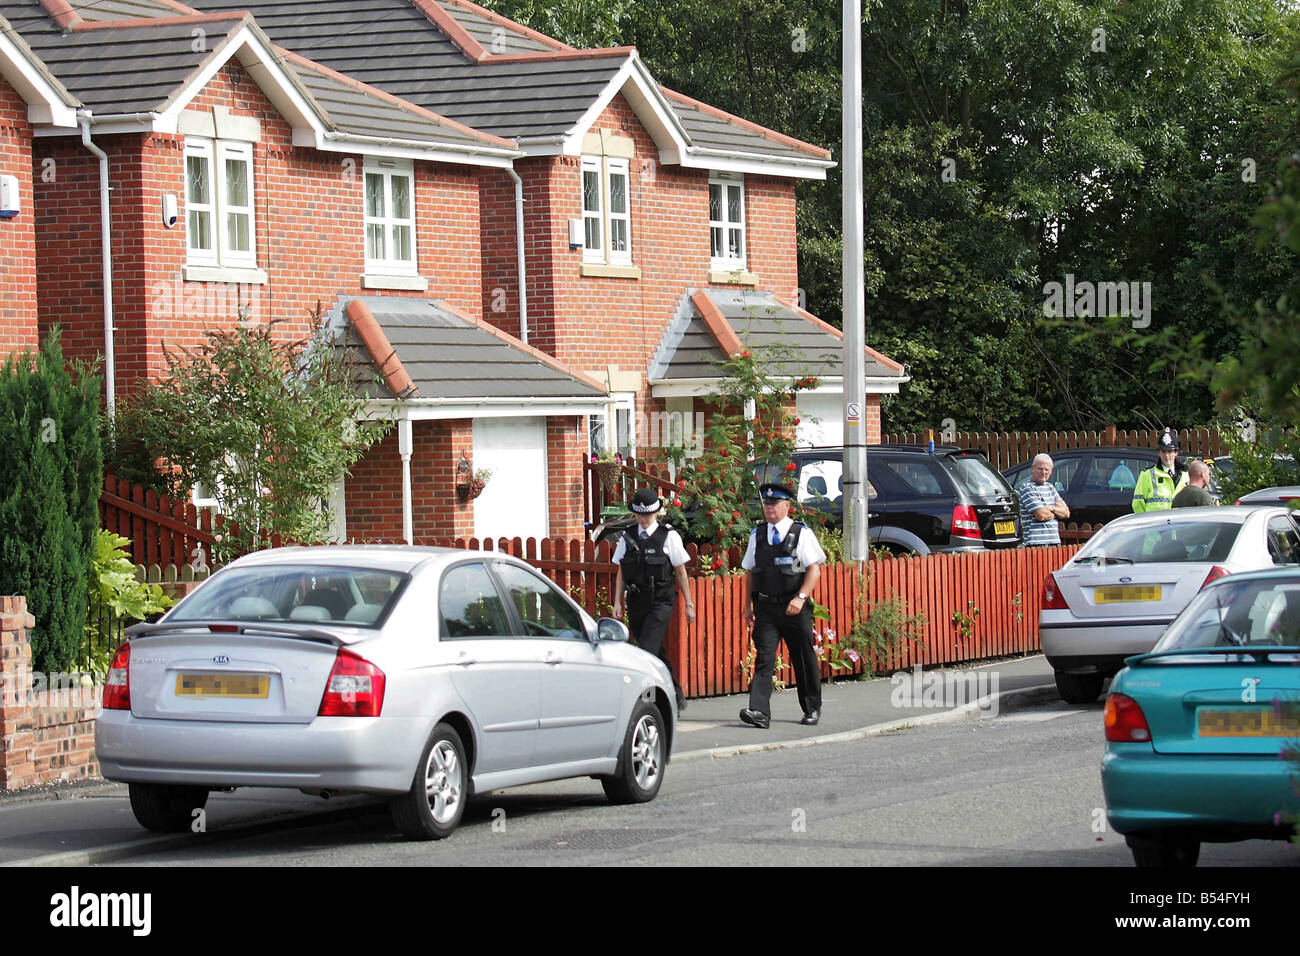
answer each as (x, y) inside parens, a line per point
(519, 252)
(105, 235)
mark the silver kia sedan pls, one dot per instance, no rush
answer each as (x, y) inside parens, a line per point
(1120, 591)
(428, 674)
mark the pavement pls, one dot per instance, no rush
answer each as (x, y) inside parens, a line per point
(91, 822)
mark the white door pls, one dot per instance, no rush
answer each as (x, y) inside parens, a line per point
(821, 420)
(514, 501)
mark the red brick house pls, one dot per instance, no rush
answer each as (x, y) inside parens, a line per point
(29, 95)
(524, 238)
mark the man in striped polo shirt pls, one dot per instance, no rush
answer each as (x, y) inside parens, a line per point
(1041, 505)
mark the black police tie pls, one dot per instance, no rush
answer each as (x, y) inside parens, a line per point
(642, 535)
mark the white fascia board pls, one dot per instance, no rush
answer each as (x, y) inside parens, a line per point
(116, 123)
(45, 104)
(759, 165)
(436, 409)
(261, 63)
(642, 93)
(694, 387)
(339, 142)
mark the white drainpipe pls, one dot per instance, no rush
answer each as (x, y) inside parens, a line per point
(519, 252)
(106, 251)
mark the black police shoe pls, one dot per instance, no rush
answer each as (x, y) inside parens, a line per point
(811, 718)
(756, 718)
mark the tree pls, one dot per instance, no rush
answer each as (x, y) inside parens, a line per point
(51, 474)
(1008, 143)
(269, 423)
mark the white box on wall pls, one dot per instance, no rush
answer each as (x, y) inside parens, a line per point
(10, 201)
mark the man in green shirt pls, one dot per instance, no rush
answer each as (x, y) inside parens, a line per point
(1195, 494)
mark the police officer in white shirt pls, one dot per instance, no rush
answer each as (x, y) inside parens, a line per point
(784, 565)
(650, 557)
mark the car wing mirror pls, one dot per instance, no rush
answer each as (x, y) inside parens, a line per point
(609, 629)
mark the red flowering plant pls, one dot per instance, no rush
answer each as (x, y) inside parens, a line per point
(719, 487)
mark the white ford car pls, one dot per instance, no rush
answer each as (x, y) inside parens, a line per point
(1120, 591)
(424, 673)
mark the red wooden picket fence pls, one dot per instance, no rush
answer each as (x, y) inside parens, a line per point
(608, 483)
(1004, 585)
(1004, 449)
(162, 530)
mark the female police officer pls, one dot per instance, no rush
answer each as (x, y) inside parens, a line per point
(649, 558)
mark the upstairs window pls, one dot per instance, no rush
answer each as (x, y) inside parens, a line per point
(726, 222)
(606, 210)
(390, 218)
(219, 218)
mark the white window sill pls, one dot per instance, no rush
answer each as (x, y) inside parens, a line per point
(405, 283)
(734, 276)
(224, 274)
(611, 272)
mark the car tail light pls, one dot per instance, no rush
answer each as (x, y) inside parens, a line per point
(355, 688)
(1216, 572)
(1125, 722)
(1053, 599)
(965, 523)
(117, 687)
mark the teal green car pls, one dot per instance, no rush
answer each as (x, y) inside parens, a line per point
(1202, 733)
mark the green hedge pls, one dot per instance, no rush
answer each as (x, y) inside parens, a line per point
(51, 473)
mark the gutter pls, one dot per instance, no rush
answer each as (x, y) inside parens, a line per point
(106, 251)
(519, 254)
(496, 153)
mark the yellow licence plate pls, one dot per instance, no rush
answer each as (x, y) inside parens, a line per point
(223, 685)
(1004, 527)
(1119, 593)
(1245, 723)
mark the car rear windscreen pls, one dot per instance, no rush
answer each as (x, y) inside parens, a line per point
(1174, 542)
(1254, 613)
(302, 594)
(977, 477)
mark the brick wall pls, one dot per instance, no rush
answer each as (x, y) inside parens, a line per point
(309, 232)
(592, 322)
(18, 235)
(47, 736)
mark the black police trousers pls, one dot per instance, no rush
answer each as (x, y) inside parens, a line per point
(772, 625)
(648, 621)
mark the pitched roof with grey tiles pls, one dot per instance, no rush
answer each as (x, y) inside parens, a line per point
(787, 343)
(141, 68)
(393, 45)
(453, 357)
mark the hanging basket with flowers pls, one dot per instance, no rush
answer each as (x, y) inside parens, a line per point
(609, 468)
(472, 483)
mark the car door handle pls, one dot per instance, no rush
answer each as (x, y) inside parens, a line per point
(464, 661)
(552, 659)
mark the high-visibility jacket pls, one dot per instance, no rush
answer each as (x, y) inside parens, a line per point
(1156, 488)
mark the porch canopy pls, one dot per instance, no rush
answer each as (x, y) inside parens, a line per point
(434, 362)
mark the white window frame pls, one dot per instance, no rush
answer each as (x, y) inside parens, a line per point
(604, 167)
(388, 264)
(726, 262)
(216, 153)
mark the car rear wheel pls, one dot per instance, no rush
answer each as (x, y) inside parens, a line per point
(1079, 688)
(166, 808)
(640, 769)
(1169, 851)
(432, 808)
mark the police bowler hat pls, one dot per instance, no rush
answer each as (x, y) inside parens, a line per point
(645, 501)
(1168, 441)
(774, 492)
